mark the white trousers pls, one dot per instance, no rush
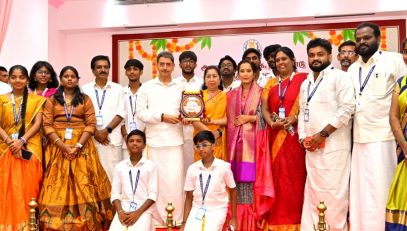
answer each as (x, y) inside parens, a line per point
(171, 177)
(109, 156)
(214, 220)
(373, 167)
(142, 224)
(328, 181)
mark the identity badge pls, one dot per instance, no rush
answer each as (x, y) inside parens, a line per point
(306, 115)
(99, 120)
(68, 133)
(281, 112)
(14, 136)
(133, 206)
(201, 213)
(133, 126)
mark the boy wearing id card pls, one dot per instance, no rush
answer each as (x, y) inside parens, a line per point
(206, 203)
(134, 188)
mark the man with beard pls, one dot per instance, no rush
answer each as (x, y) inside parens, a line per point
(227, 67)
(133, 71)
(190, 82)
(268, 54)
(347, 54)
(327, 102)
(158, 104)
(253, 55)
(374, 158)
(106, 97)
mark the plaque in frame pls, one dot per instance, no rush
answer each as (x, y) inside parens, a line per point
(192, 105)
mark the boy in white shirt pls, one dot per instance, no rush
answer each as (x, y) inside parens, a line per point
(206, 202)
(134, 188)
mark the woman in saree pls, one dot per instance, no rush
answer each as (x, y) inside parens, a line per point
(76, 190)
(396, 208)
(20, 151)
(288, 157)
(43, 79)
(241, 129)
(215, 111)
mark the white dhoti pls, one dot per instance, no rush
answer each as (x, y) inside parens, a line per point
(328, 181)
(109, 156)
(188, 131)
(142, 224)
(171, 177)
(214, 220)
(373, 167)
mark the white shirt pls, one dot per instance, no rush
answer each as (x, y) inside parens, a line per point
(155, 98)
(264, 77)
(235, 84)
(332, 103)
(371, 120)
(110, 108)
(147, 186)
(4, 88)
(128, 111)
(194, 84)
(221, 176)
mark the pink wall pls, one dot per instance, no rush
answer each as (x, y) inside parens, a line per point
(26, 39)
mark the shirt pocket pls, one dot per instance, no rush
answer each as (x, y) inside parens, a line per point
(378, 83)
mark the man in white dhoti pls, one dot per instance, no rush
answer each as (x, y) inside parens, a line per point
(374, 149)
(106, 97)
(158, 105)
(326, 101)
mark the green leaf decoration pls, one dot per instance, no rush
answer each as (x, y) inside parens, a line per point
(205, 41)
(306, 34)
(348, 34)
(295, 38)
(199, 39)
(159, 44)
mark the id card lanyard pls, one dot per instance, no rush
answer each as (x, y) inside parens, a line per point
(281, 108)
(309, 97)
(68, 130)
(100, 104)
(134, 187)
(204, 191)
(362, 86)
(133, 112)
(16, 116)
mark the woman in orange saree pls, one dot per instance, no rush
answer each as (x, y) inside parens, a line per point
(215, 111)
(288, 157)
(20, 151)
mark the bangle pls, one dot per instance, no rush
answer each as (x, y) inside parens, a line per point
(23, 140)
(121, 211)
(6, 138)
(55, 141)
(220, 132)
(162, 117)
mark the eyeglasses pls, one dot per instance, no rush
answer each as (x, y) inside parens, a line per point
(350, 53)
(43, 73)
(404, 52)
(187, 61)
(202, 145)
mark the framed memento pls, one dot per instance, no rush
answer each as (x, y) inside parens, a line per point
(192, 105)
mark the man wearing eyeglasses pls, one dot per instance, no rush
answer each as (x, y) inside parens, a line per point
(190, 82)
(347, 54)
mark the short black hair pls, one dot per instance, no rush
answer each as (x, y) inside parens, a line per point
(346, 43)
(227, 57)
(374, 26)
(404, 43)
(251, 50)
(287, 51)
(3, 69)
(134, 63)
(188, 55)
(137, 132)
(204, 135)
(53, 83)
(319, 42)
(98, 58)
(268, 50)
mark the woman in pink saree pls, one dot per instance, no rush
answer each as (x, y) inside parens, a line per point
(241, 130)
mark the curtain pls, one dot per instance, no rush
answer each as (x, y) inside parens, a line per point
(5, 9)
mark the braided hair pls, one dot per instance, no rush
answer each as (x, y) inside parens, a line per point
(24, 71)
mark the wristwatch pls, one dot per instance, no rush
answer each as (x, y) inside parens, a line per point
(109, 129)
(79, 145)
(324, 133)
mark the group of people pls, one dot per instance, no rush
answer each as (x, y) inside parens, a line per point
(268, 150)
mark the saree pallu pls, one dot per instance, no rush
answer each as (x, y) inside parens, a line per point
(396, 207)
(76, 193)
(215, 108)
(288, 160)
(19, 179)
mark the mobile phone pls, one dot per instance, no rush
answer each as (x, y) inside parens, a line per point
(25, 154)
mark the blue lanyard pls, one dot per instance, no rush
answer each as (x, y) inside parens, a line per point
(285, 90)
(313, 91)
(134, 188)
(68, 116)
(133, 110)
(100, 104)
(16, 115)
(366, 80)
(206, 186)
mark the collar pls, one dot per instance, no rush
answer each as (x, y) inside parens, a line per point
(214, 164)
(108, 85)
(375, 57)
(324, 72)
(141, 162)
(127, 90)
(182, 79)
(157, 81)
